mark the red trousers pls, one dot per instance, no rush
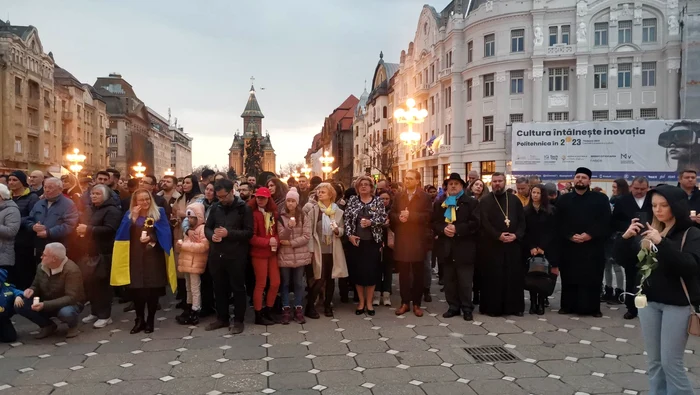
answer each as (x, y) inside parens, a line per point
(264, 268)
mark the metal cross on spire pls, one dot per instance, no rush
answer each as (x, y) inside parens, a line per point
(252, 80)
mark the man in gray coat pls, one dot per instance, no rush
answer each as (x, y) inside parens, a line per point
(10, 221)
(53, 218)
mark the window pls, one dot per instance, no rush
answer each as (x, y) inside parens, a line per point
(600, 76)
(624, 32)
(47, 125)
(565, 30)
(601, 115)
(558, 116)
(18, 87)
(488, 85)
(448, 134)
(469, 131)
(384, 112)
(559, 79)
(113, 139)
(517, 40)
(432, 105)
(47, 150)
(470, 84)
(649, 30)
(470, 51)
(489, 45)
(432, 73)
(601, 34)
(448, 59)
(624, 75)
(649, 74)
(516, 81)
(488, 167)
(647, 113)
(624, 114)
(553, 35)
(18, 145)
(488, 128)
(448, 97)
(516, 118)
(113, 154)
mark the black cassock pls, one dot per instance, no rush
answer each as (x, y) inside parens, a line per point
(581, 265)
(502, 269)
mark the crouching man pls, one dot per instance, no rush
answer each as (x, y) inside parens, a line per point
(57, 291)
(8, 294)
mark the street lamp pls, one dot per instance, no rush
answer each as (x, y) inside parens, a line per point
(139, 169)
(306, 170)
(76, 158)
(326, 161)
(168, 172)
(295, 174)
(409, 117)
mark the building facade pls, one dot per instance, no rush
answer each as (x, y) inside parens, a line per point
(28, 136)
(180, 151)
(159, 134)
(478, 66)
(252, 128)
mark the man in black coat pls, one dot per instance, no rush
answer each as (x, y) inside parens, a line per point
(456, 224)
(634, 205)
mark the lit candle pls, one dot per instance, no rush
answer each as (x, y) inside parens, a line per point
(36, 301)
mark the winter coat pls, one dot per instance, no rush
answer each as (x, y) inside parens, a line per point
(462, 246)
(61, 289)
(411, 237)
(297, 254)
(25, 203)
(237, 218)
(194, 248)
(10, 221)
(60, 220)
(376, 209)
(102, 224)
(340, 267)
(260, 242)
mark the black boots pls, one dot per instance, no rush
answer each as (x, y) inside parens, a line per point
(188, 316)
(476, 298)
(261, 319)
(537, 303)
(426, 295)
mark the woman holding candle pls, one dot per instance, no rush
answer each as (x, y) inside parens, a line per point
(263, 253)
(294, 230)
(670, 288)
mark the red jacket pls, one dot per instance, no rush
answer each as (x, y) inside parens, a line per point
(260, 243)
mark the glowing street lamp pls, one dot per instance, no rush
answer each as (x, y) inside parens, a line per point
(326, 161)
(295, 174)
(306, 170)
(168, 172)
(139, 169)
(410, 116)
(76, 158)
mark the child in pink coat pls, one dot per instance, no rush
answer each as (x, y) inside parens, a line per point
(194, 249)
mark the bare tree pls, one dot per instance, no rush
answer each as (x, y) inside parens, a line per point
(291, 167)
(383, 157)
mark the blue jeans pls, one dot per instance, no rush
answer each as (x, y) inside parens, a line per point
(297, 275)
(68, 314)
(665, 330)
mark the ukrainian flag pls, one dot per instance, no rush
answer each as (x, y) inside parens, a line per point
(120, 256)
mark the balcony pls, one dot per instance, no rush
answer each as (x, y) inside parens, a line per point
(445, 73)
(422, 90)
(560, 49)
(33, 102)
(67, 116)
(33, 157)
(445, 148)
(33, 130)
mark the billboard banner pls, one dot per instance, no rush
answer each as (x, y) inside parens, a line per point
(657, 149)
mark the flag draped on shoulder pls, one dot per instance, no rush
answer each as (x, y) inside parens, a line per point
(120, 274)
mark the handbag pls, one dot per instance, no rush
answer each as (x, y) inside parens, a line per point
(694, 319)
(539, 277)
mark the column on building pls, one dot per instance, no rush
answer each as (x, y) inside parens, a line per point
(581, 88)
(673, 66)
(537, 73)
(459, 124)
(427, 174)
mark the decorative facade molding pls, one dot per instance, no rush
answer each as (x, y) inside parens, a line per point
(539, 35)
(501, 77)
(581, 70)
(673, 25)
(673, 64)
(582, 8)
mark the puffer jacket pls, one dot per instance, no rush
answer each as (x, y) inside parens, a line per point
(297, 254)
(25, 202)
(194, 248)
(9, 226)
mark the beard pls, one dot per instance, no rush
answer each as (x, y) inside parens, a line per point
(499, 191)
(580, 187)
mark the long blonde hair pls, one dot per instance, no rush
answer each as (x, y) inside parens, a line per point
(153, 211)
(660, 227)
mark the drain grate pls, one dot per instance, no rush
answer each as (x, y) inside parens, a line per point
(490, 354)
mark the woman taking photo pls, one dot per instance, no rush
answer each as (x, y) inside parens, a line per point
(98, 226)
(295, 232)
(328, 257)
(364, 221)
(143, 258)
(263, 253)
(663, 303)
(386, 266)
(278, 191)
(539, 239)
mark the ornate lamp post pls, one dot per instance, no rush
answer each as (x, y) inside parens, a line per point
(168, 172)
(76, 158)
(326, 161)
(296, 174)
(139, 169)
(306, 170)
(409, 117)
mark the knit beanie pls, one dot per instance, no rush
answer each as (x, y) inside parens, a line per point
(21, 177)
(293, 194)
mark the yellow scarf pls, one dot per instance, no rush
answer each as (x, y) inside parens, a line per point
(269, 223)
(329, 212)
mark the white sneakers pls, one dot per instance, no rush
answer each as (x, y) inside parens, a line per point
(386, 299)
(375, 299)
(101, 323)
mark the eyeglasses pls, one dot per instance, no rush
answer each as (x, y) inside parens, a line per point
(143, 182)
(222, 197)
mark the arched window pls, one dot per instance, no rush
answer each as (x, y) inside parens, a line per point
(384, 112)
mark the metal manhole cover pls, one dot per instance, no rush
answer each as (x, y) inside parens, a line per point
(490, 354)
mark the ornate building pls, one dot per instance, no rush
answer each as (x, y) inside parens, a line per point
(252, 127)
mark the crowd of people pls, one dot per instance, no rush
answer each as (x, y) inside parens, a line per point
(217, 242)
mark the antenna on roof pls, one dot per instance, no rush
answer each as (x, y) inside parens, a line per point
(169, 114)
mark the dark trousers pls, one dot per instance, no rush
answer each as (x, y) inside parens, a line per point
(580, 299)
(458, 280)
(99, 293)
(8, 334)
(631, 283)
(411, 282)
(21, 275)
(207, 290)
(326, 279)
(142, 298)
(385, 271)
(229, 276)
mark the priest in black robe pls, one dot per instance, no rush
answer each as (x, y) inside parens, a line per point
(502, 267)
(583, 220)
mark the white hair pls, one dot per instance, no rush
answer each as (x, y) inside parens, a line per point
(5, 192)
(58, 250)
(104, 189)
(55, 180)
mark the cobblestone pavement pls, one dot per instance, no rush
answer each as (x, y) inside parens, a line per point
(347, 355)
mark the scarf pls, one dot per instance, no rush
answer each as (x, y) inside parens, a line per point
(451, 205)
(269, 222)
(328, 214)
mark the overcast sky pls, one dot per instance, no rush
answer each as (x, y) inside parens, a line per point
(197, 57)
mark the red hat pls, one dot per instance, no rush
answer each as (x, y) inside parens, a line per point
(263, 192)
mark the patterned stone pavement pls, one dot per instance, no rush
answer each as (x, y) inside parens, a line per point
(347, 355)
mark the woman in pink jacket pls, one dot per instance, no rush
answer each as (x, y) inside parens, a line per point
(194, 249)
(294, 229)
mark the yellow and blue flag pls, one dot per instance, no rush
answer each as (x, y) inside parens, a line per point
(121, 274)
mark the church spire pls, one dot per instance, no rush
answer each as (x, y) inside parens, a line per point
(252, 108)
